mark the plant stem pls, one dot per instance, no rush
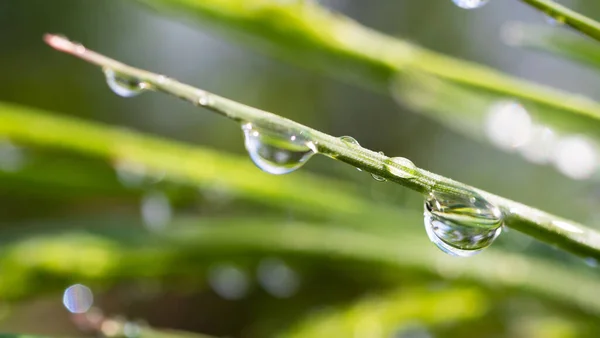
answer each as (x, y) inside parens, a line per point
(554, 230)
(568, 17)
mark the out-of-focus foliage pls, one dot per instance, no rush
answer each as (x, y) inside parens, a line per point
(178, 236)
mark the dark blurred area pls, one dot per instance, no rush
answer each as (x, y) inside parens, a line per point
(36, 76)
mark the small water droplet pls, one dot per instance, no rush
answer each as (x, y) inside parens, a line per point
(470, 4)
(377, 177)
(277, 152)
(350, 140)
(277, 278)
(122, 85)
(554, 19)
(156, 211)
(203, 98)
(459, 226)
(229, 281)
(401, 167)
(78, 298)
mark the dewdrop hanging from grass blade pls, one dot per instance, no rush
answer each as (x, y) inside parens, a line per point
(461, 225)
(275, 151)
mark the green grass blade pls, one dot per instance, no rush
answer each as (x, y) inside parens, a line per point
(546, 227)
(555, 42)
(389, 313)
(105, 255)
(568, 17)
(309, 35)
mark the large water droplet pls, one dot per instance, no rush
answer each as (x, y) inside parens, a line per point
(277, 152)
(122, 85)
(461, 225)
(470, 4)
(78, 298)
(406, 170)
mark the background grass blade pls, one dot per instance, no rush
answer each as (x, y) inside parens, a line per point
(567, 16)
(309, 35)
(554, 42)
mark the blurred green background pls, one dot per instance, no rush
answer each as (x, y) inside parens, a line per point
(35, 75)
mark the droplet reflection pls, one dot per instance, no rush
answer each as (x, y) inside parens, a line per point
(277, 152)
(461, 225)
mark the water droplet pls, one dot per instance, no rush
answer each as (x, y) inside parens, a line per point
(576, 157)
(12, 157)
(460, 226)
(401, 167)
(554, 19)
(78, 298)
(351, 140)
(203, 98)
(228, 281)
(377, 177)
(508, 125)
(277, 278)
(156, 211)
(277, 152)
(470, 4)
(122, 85)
